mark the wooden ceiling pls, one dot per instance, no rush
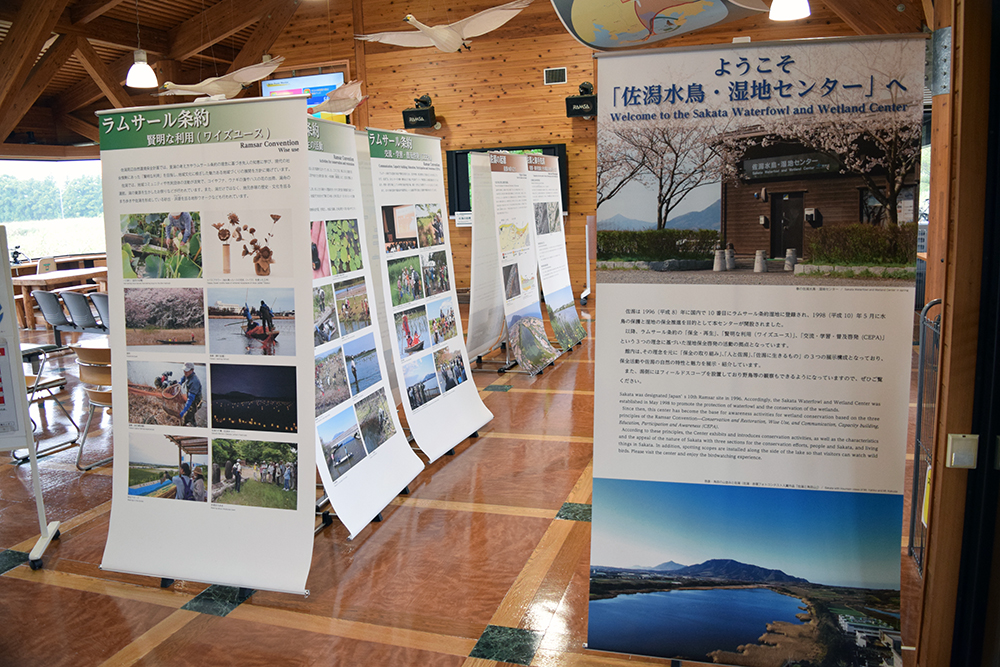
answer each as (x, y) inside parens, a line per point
(62, 60)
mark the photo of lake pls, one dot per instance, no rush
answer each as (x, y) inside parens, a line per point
(687, 623)
(227, 337)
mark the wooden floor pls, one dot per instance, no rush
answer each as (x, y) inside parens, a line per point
(485, 562)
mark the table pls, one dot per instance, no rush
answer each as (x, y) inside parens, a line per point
(51, 280)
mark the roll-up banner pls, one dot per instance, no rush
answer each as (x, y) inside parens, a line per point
(486, 316)
(550, 244)
(364, 459)
(514, 228)
(749, 440)
(207, 222)
(442, 406)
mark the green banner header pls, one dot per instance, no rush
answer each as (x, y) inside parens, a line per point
(264, 121)
(327, 136)
(402, 146)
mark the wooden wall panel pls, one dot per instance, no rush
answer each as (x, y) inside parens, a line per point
(494, 95)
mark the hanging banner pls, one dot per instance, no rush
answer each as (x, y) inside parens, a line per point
(749, 140)
(550, 240)
(514, 224)
(365, 460)
(207, 210)
(442, 407)
(748, 459)
(486, 316)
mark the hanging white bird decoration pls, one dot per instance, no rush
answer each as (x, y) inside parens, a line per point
(452, 36)
(343, 99)
(226, 86)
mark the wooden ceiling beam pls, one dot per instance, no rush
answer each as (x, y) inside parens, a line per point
(87, 91)
(100, 30)
(880, 18)
(55, 57)
(214, 25)
(268, 29)
(87, 10)
(29, 30)
(80, 126)
(48, 152)
(103, 76)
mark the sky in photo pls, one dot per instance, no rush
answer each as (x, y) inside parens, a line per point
(833, 538)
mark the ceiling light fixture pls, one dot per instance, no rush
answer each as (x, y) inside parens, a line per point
(140, 74)
(788, 10)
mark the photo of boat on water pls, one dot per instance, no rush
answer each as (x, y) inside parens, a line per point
(168, 466)
(742, 575)
(251, 321)
(411, 331)
(340, 440)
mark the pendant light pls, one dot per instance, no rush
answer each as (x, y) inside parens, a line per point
(140, 74)
(788, 10)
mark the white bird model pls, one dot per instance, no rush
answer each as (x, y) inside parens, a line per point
(341, 100)
(227, 85)
(450, 37)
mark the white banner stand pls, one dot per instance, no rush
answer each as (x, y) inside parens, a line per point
(15, 422)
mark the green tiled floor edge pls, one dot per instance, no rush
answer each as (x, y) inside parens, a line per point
(574, 512)
(218, 600)
(511, 645)
(9, 559)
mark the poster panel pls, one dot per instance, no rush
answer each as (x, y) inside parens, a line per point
(486, 316)
(748, 469)
(432, 366)
(206, 219)
(801, 135)
(550, 241)
(364, 458)
(515, 239)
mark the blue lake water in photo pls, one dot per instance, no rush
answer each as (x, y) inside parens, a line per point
(368, 372)
(686, 623)
(226, 337)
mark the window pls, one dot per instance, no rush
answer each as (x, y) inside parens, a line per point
(52, 208)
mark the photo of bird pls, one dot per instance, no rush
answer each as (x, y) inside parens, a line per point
(226, 86)
(450, 37)
(342, 100)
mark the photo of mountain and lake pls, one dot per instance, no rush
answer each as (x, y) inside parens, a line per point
(744, 575)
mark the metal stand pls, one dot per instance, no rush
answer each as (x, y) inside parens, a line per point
(49, 531)
(40, 385)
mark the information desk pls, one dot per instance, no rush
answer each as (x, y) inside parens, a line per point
(53, 280)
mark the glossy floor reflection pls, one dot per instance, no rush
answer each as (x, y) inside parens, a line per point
(485, 561)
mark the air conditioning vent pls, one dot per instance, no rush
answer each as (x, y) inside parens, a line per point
(555, 75)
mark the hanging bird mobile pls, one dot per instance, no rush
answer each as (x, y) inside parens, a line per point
(226, 86)
(450, 37)
(341, 100)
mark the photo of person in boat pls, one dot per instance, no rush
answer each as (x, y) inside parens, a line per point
(324, 315)
(166, 393)
(251, 320)
(411, 331)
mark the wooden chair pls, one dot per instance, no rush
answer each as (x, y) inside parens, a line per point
(95, 372)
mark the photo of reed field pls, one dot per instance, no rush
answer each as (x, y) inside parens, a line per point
(344, 246)
(156, 394)
(430, 226)
(254, 397)
(331, 381)
(399, 228)
(165, 319)
(435, 269)
(255, 473)
(375, 418)
(353, 312)
(324, 315)
(404, 280)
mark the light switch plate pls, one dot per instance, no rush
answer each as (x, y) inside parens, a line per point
(962, 450)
